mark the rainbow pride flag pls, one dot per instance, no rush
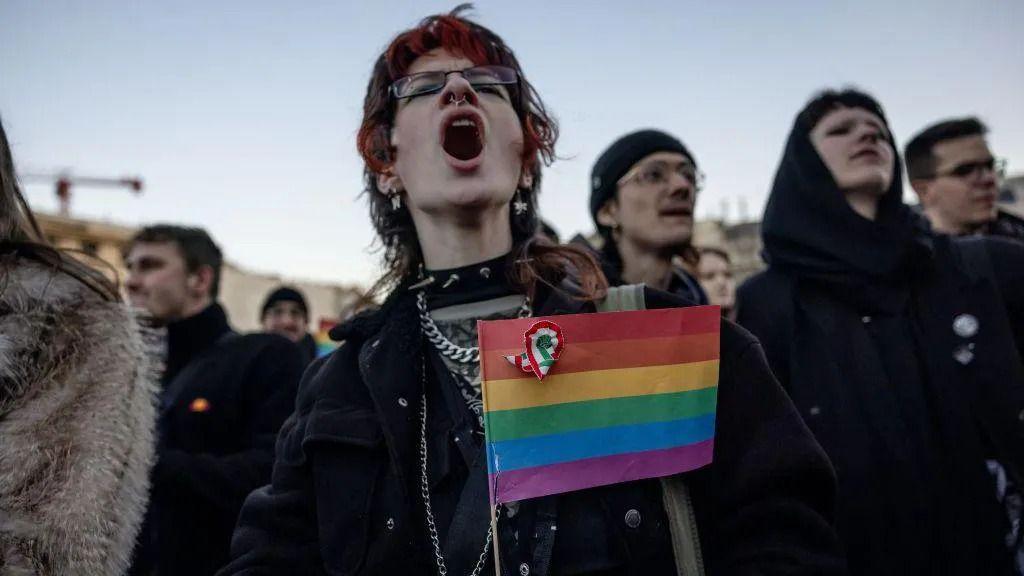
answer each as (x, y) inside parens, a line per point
(322, 337)
(631, 396)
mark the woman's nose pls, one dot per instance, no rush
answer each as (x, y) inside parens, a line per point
(458, 91)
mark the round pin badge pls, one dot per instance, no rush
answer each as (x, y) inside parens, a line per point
(965, 325)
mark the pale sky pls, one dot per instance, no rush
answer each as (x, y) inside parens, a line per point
(241, 116)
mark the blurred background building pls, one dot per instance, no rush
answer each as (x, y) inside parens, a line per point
(242, 291)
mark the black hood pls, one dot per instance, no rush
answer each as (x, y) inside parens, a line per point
(810, 230)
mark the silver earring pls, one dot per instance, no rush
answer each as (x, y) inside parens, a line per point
(396, 199)
(519, 205)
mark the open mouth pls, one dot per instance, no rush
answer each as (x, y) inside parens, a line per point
(870, 154)
(462, 137)
(677, 211)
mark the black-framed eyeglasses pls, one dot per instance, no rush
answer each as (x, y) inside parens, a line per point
(658, 173)
(434, 81)
(974, 169)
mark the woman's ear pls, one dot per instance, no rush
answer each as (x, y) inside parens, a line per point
(608, 215)
(525, 179)
(389, 183)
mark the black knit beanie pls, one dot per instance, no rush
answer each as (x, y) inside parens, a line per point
(620, 157)
(285, 294)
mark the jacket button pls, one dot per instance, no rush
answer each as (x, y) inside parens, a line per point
(865, 319)
(403, 402)
(633, 518)
(815, 410)
(524, 569)
(1021, 416)
(390, 524)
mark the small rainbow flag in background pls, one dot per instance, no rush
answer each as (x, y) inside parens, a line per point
(324, 344)
(632, 396)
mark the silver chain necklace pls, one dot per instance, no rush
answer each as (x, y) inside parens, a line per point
(442, 569)
(463, 356)
(446, 347)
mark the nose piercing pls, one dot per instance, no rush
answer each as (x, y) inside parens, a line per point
(459, 102)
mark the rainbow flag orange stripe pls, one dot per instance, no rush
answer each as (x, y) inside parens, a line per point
(632, 396)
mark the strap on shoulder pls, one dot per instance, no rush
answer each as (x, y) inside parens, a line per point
(623, 298)
(675, 493)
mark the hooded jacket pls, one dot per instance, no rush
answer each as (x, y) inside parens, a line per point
(900, 354)
(77, 405)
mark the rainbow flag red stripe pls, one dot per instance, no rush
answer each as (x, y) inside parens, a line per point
(632, 396)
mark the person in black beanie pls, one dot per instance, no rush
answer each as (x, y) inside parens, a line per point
(285, 312)
(897, 347)
(643, 190)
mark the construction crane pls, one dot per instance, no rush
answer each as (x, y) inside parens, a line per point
(64, 181)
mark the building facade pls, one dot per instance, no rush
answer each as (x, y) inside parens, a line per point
(102, 245)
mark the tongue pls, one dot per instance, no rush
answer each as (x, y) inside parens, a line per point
(462, 142)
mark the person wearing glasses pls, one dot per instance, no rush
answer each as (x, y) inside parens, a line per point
(643, 190)
(382, 470)
(900, 348)
(956, 178)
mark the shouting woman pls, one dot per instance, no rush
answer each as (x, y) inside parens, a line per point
(381, 468)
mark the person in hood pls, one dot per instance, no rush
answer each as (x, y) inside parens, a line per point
(382, 468)
(897, 346)
(643, 191)
(77, 391)
(285, 312)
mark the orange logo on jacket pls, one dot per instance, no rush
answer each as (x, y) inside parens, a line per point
(199, 405)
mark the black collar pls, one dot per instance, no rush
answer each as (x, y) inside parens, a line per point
(192, 335)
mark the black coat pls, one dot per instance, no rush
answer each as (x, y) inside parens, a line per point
(220, 410)
(345, 492)
(858, 319)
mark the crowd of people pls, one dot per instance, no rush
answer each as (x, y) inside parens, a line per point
(870, 410)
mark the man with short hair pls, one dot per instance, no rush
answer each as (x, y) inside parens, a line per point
(643, 192)
(956, 177)
(223, 400)
(285, 312)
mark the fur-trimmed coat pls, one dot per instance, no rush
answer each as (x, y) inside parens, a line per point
(76, 425)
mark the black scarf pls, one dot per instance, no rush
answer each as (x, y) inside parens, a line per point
(192, 335)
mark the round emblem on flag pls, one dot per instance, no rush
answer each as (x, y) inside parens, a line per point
(965, 325)
(544, 344)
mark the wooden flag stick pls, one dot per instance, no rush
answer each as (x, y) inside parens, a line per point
(495, 540)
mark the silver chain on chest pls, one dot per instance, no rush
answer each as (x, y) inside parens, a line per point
(460, 354)
(464, 356)
(442, 569)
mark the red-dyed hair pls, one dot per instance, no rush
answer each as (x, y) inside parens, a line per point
(533, 258)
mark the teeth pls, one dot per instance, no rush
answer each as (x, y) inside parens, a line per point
(463, 122)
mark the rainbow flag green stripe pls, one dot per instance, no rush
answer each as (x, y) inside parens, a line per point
(543, 420)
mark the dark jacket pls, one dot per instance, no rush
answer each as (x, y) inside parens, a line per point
(681, 284)
(309, 349)
(345, 496)
(868, 326)
(225, 397)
